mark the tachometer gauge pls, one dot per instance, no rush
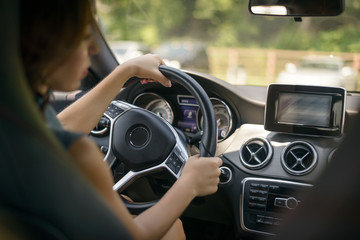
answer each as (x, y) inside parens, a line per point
(155, 104)
(223, 118)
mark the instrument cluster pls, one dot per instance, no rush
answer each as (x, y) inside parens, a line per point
(185, 114)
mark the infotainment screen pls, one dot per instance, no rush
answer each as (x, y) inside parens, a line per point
(309, 110)
(304, 109)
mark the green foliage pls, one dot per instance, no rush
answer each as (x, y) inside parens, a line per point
(345, 39)
(227, 23)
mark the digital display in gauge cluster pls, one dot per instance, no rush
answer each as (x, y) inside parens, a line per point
(187, 117)
(191, 120)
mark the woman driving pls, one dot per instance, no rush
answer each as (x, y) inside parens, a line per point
(56, 45)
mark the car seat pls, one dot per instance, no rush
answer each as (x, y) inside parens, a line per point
(42, 195)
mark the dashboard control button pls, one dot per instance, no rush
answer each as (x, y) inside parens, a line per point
(280, 202)
(257, 206)
(273, 188)
(291, 203)
(260, 193)
(260, 206)
(263, 193)
(260, 219)
(226, 175)
(267, 220)
(254, 192)
(252, 205)
(257, 199)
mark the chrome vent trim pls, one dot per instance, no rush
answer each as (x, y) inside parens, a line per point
(299, 158)
(256, 153)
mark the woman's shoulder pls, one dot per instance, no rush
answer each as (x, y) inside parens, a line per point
(67, 138)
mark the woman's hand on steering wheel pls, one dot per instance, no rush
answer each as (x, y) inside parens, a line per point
(202, 175)
(146, 68)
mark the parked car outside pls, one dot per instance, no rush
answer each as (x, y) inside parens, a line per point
(125, 50)
(320, 70)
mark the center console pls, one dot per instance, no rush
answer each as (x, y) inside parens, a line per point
(265, 202)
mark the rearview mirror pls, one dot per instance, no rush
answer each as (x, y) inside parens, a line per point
(297, 8)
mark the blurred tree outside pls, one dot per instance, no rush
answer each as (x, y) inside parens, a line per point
(223, 25)
(227, 23)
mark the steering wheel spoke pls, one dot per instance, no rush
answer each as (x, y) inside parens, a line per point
(174, 163)
(114, 111)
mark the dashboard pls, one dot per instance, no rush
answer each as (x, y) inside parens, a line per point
(270, 168)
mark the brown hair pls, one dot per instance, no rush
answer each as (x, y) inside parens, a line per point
(49, 31)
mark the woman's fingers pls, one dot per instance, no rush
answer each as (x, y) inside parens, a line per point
(146, 68)
(167, 83)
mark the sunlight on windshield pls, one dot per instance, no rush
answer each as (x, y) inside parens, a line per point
(221, 38)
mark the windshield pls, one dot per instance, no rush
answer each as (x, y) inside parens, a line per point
(221, 38)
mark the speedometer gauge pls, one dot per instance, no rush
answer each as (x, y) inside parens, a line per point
(155, 104)
(161, 108)
(223, 118)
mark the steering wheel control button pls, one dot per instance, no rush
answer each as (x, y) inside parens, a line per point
(174, 163)
(113, 111)
(139, 136)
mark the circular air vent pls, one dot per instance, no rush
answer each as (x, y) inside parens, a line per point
(255, 153)
(299, 158)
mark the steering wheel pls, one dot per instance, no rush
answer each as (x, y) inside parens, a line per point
(146, 143)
